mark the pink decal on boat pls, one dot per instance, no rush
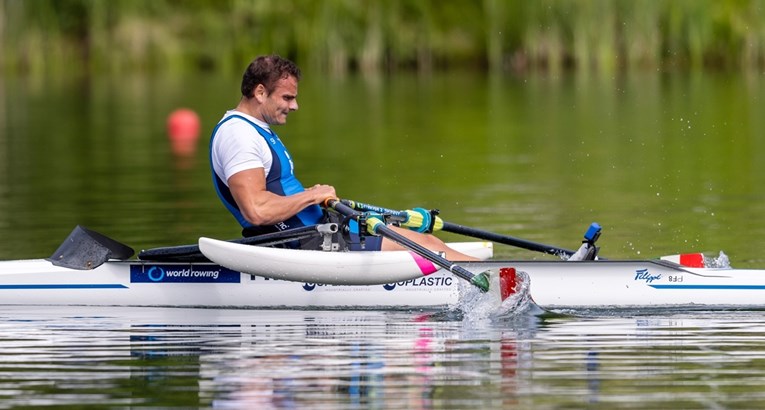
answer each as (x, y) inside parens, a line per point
(426, 266)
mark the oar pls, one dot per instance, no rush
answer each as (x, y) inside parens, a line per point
(504, 239)
(191, 253)
(377, 227)
(419, 218)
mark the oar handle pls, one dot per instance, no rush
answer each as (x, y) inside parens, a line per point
(417, 219)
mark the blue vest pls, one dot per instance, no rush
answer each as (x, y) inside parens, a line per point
(281, 181)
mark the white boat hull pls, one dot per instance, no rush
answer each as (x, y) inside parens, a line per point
(551, 285)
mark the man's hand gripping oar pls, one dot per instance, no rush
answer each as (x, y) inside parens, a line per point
(375, 226)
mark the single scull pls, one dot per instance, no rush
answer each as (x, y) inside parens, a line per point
(324, 280)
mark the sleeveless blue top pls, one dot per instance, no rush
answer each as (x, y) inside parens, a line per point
(281, 180)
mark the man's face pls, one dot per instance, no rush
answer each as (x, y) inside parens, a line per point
(280, 102)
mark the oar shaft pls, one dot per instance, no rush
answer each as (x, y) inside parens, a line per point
(184, 253)
(504, 239)
(426, 253)
(380, 228)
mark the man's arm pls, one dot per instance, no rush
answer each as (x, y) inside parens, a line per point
(261, 207)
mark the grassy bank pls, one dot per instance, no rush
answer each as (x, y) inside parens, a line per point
(45, 36)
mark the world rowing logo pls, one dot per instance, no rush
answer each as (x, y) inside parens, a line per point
(182, 273)
(156, 274)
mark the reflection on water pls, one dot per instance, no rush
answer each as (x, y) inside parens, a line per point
(292, 359)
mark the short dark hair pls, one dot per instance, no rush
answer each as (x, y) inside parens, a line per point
(267, 70)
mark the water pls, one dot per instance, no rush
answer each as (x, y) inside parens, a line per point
(179, 358)
(666, 163)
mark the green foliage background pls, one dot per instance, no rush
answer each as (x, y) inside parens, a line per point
(337, 36)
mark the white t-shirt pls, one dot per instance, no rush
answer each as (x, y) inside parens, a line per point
(237, 146)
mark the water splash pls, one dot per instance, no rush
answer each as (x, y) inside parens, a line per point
(720, 262)
(477, 305)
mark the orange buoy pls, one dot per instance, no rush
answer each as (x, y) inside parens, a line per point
(183, 130)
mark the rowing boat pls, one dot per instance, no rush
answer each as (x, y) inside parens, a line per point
(551, 284)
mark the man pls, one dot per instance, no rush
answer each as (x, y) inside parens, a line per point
(254, 173)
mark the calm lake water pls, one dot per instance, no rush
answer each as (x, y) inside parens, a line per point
(666, 163)
(178, 358)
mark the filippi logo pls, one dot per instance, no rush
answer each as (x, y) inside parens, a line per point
(642, 274)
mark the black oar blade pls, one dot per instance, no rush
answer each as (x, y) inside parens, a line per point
(85, 249)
